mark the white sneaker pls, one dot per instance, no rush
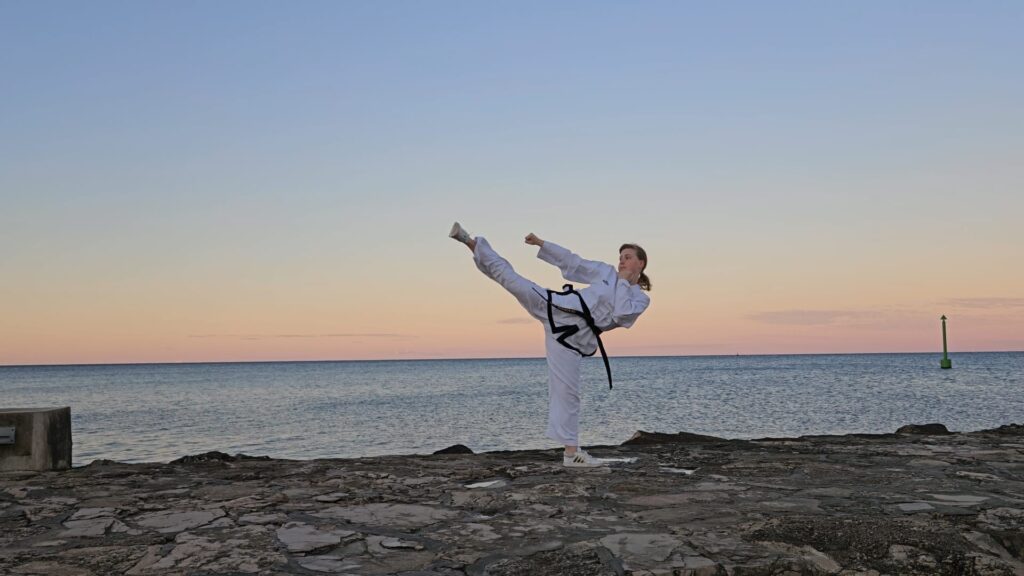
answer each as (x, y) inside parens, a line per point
(459, 234)
(581, 460)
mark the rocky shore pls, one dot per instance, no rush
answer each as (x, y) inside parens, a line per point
(922, 501)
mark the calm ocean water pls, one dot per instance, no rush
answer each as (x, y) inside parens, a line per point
(158, 412)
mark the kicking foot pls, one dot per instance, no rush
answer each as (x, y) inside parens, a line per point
(459, 234)
(581, 460)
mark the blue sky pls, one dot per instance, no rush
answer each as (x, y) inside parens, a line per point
(147, 143)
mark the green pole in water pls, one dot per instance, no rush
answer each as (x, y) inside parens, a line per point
(946, 362)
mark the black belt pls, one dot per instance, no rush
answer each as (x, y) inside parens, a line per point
(570, 329)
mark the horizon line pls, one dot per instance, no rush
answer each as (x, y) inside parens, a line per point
(324, 361)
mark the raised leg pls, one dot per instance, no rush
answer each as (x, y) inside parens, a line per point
(528, 293)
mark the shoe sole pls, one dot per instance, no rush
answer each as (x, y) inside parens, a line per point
(597, 464)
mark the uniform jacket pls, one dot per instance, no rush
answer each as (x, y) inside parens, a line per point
(613, 302)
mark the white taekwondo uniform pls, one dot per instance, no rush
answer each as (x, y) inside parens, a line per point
(612, 301)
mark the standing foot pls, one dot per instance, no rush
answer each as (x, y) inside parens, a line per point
(581, 459)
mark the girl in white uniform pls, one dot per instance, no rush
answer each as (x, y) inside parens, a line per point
(573, 321)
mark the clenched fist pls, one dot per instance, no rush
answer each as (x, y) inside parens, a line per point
(533, 240)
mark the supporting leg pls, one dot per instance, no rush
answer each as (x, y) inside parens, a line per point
(563, 394)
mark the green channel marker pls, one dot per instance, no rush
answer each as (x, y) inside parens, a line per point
(945, 362)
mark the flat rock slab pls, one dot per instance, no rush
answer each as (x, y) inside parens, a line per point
(51, 568)
(327, 563)
(299, 537)
(641, 547)
(177, 521)
(90, 513)
(276, 518)
(399, 515)
(915, 507)
(960, 499)
(887, 504)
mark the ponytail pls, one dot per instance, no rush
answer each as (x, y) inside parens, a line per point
(644, 282)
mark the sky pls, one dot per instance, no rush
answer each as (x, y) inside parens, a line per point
(260, 181)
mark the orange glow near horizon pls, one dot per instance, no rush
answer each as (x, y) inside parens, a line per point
(444, 308)
(490, 325)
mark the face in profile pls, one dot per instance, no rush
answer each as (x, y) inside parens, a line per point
(630, 265)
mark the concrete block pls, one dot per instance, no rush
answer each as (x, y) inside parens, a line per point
(42, 439)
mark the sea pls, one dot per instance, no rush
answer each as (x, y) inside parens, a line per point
(305, 410)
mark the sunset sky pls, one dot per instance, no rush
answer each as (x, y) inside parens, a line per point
(233, 181)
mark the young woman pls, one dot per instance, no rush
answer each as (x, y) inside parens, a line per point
(573, 320)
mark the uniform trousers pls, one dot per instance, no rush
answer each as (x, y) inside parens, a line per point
(563, 363)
